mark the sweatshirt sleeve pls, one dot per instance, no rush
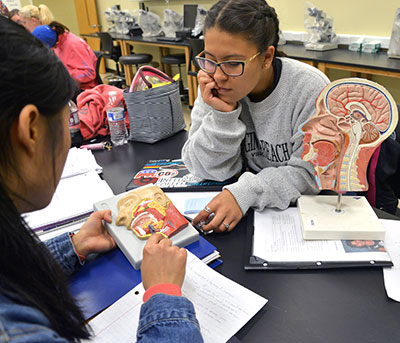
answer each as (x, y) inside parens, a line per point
(278, 187)
(213, 149)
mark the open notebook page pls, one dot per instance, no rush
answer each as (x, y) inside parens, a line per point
(278, 238)
(222, 307)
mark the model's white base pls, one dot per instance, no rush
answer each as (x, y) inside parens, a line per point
(320, 46)
(357, 219)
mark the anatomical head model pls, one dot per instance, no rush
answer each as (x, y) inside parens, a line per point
(353, 116)
(147, 210)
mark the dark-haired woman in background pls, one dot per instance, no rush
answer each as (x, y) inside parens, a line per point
(35, 304)
(74, 52)
(250, 105)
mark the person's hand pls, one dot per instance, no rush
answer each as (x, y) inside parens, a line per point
(162, 262)
(93, 237)
(208, 88)
(227, 213)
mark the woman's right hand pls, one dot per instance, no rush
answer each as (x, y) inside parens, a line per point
(208, 89)
(162, 262)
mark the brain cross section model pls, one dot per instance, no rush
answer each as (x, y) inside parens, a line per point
(352, 118)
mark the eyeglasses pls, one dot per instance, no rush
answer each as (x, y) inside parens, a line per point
(229, 68)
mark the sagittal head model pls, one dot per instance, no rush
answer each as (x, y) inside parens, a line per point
(353, 117)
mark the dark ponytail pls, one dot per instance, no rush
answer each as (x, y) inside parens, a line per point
(254, 19)
(58, 27)
(31, 73)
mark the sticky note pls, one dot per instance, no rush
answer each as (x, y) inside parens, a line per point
(195, 205)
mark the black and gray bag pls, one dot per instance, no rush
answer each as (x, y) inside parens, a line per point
(154, 113)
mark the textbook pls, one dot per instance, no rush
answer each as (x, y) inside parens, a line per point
(173, 176)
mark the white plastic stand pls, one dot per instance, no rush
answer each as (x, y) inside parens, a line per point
(337, 217)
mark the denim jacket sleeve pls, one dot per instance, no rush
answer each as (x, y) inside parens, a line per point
(167, 318)
(62, 249)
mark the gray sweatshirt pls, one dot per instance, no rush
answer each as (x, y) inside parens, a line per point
(266, 134)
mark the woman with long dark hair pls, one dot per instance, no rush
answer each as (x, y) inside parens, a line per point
(251, 102)
(35, 304)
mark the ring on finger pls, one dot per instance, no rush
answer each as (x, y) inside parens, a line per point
(207, 209)
(226, 225)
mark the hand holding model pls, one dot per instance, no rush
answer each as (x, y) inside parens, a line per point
(93, 237)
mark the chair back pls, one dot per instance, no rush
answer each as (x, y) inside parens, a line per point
(108, 48)
(99, 55)
(106, 44)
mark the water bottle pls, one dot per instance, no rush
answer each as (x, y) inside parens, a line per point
(116, 120)
(74, 125)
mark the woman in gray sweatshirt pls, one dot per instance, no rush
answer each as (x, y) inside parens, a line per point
(251, 103)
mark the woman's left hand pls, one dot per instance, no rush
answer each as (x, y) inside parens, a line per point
(227, 213)
(93, 237)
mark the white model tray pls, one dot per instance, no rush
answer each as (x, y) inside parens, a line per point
(128, 242)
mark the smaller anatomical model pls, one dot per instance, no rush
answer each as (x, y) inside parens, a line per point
(148, 210)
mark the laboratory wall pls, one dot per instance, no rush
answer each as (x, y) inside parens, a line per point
(356, 17)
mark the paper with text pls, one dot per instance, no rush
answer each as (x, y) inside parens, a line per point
(392, 243)
(222, 307)
(278, 238)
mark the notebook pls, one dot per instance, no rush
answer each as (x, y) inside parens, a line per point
(222, 307)
(274, 241)
(106, 278)
(72, 201)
